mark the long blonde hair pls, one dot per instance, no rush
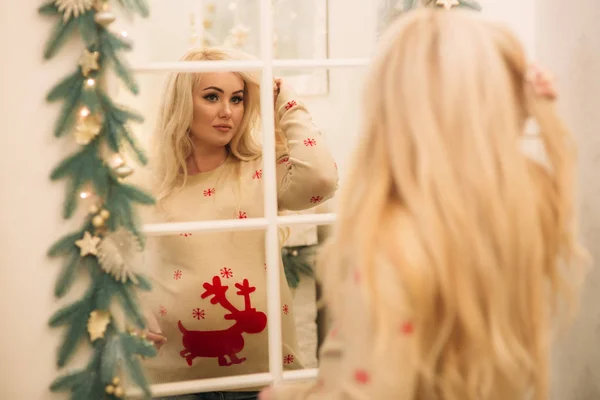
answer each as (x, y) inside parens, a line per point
(171, 143)
(480, 236)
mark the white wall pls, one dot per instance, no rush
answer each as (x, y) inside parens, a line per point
(31, 205)
(568, 40)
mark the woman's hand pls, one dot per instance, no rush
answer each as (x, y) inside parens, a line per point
(276, 89)
(542, 81)
(266, 394)
(156, 338)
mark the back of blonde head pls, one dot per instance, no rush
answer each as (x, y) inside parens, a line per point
(480, 235)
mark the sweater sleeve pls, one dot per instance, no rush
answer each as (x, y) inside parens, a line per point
(306, 173)
(349, 368)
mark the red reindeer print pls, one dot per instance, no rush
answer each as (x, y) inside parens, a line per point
(283, 160)
(310, 142)
(290, 104)
(257, 174)
(316, 199)
(288, 359)
(226, 343)
(209, 192)
(242, 215)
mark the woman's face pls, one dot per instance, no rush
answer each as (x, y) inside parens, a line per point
(218, 109)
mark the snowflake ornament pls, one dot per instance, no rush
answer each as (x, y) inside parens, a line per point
(119, 254)
(73, 7)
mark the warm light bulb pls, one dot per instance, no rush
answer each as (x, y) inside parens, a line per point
(116, 161)
(91, 82)
(84, 112)
(124, 34)
(84, 195)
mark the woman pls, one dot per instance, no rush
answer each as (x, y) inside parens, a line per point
(208, 306)
(453, 248)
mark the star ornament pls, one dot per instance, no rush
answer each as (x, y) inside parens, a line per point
(88, 244)
(447, 4)
(89, 62)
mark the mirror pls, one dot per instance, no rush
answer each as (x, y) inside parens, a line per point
(207, 284)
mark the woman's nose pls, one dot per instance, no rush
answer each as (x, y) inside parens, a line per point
(225, 111)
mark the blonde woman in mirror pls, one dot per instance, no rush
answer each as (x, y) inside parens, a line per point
(454, 251)
(209, 302)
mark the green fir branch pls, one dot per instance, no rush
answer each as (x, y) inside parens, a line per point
(65, 245)
(68, 381)
(117, 352)
(116, 42)
(67, 276)
(119, 66)
(128, 301)
(59, 36)
(49, 9)
(69, 109)
(87, 28)
(76, 332)
(65, 87)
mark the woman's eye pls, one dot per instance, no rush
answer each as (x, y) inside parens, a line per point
(212, 97)
(237, 99)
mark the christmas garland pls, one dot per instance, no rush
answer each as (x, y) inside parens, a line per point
(108, 244)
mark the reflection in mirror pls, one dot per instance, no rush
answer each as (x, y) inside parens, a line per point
(213, 283)
(300, 32)
(203, 134)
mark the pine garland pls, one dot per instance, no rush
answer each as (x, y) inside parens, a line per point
(101, 127)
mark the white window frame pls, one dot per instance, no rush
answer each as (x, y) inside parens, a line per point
(271, 221)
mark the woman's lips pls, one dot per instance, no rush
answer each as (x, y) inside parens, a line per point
(223, 128)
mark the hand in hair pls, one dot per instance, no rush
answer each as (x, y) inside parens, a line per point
(542, 81)
(276, 89)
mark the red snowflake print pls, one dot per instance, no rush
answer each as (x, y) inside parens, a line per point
(257, 174)
(356, 276)
(209, 192)
(226, 273)
(407, 328)
(290, 104)
(283, 160)
(310, 142)
(162, 311)
(286, 309)
(288, 359)
(242, 215)
(361, 376)
(198, 313)
(316, 199)
(177, 275)
(185, 234)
